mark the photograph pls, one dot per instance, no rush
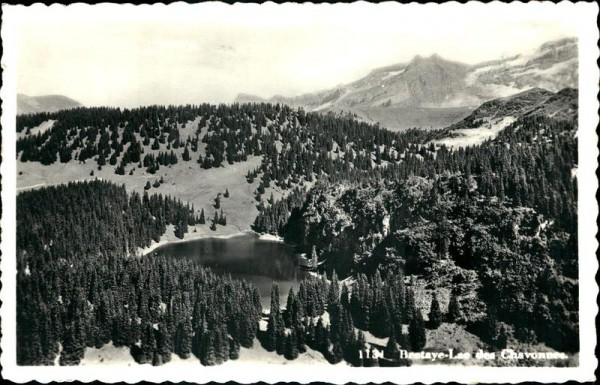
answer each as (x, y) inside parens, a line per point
(299, 192)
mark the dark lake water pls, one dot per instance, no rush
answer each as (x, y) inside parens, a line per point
(259, 261)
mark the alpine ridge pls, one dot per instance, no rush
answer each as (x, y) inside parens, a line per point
(46, 103)
(432, 92)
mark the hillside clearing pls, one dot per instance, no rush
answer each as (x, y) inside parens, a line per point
(185, 180)
(466, 137)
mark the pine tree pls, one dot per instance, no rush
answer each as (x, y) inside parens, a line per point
(202, 219)
(226, 195)
(337, 353)
(334, 291)
(360, 345)
(280, 342)
(291, 347)
(275, 325)
(391, 349)
(416, 332)
(453, 314)
(186, 154)
(435, 313)
(289, 309)
(321, 336)
(183, 338)
(163, 345)
(410, 305)
(380, 327)
(234, 349)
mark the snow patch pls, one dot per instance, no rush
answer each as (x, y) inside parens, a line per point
(386, 225)
(108, 355)
(466, 137)
(270, 237)
(392, 74)
(57, 359)
(43, 127)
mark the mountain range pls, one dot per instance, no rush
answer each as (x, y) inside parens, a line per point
(432, 92)
(46, 103)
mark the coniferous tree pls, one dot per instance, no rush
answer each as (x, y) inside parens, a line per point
(416, 332)
(410, 306)
(360, 346)
(453, 314)
(289, 309)
(186, 154)
(291, 346)
(337, 353)
(280, 342)
(321, 337)
(391, 349)
(275, 325)
(333, 295)
(435, 313)
(183, 338)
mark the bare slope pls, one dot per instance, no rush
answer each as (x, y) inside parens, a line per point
(492, 117)
(46, 103)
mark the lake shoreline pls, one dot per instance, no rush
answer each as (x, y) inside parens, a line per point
(190, 236)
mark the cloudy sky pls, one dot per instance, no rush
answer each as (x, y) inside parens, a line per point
(130, 56)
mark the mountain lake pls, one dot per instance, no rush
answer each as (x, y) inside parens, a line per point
(248, 257)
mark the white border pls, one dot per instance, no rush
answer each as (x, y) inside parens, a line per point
(585, 13)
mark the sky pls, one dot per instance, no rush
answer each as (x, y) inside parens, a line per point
(128, 56)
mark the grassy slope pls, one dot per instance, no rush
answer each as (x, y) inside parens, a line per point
(184, 180)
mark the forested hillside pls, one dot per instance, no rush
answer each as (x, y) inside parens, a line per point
(196, 153)
(294, 143)
(492, 226)
(77, 287)
(496, 223)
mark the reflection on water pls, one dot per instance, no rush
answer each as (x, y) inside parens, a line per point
(261, 262)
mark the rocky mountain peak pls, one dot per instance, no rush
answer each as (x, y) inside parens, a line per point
(400, 95)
